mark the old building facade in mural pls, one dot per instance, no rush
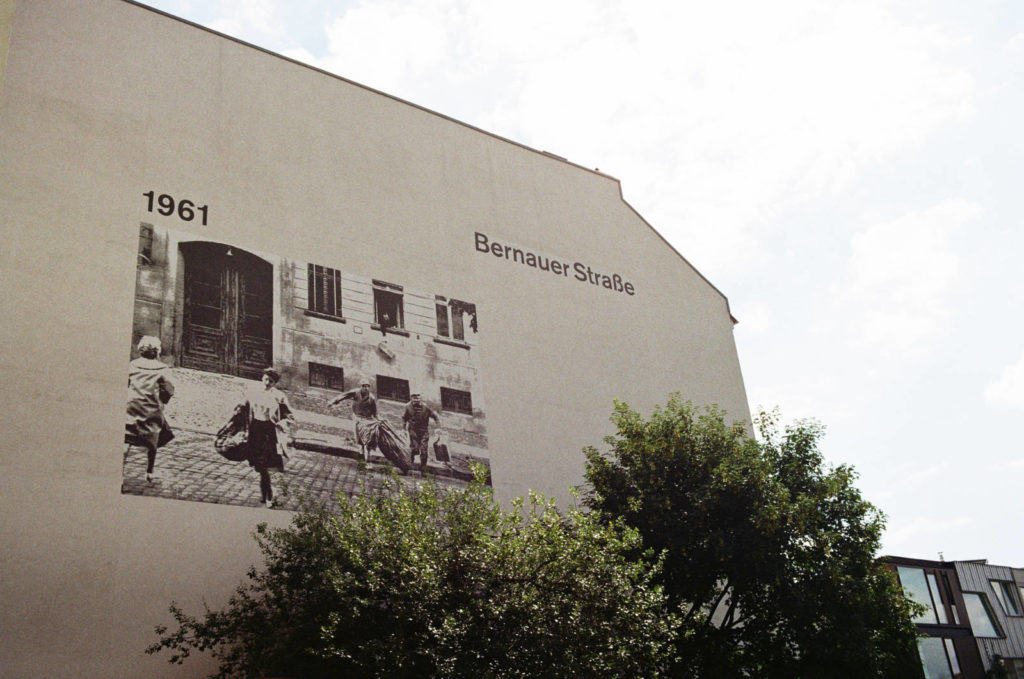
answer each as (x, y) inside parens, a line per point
(223, 314)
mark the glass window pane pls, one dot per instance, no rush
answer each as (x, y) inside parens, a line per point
(954, 662)
(933, 658)
(916, 588)
(441, 312)
(937, 599)
(999, 593)
(979, 616)
(458, 332)
(1012, 604)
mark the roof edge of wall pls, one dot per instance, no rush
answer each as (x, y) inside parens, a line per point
(673, 248)
(546, 154)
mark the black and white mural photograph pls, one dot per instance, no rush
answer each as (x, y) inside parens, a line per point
(260, 380)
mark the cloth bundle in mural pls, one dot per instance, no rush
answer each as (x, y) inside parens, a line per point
(383, 436)
(232, 440)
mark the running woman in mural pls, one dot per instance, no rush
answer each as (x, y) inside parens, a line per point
(270, 423)
(149, 388)
(417, 418)
(364, 407)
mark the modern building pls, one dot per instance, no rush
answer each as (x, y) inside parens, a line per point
(994, 596)
(973, 619)
(160, 179)
(947, 646)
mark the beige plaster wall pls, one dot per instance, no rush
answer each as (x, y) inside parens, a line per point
(104, 100)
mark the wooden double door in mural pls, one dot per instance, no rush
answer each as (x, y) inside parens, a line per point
(228, 312)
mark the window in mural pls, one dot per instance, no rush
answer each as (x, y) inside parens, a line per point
(457, 400)
(388, 311)
(392, 388)
(326, 376)
(324, 292)
(450, 318)
(145, 244)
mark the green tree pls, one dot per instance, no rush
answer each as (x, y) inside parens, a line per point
(429, 582)
(770, 554)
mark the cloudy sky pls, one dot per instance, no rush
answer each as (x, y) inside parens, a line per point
(843, 171)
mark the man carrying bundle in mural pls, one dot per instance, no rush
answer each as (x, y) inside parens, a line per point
(417, 422)
(372, 431)
(364, 408)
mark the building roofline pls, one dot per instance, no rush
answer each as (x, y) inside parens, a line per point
(506, 140)
(912, 561)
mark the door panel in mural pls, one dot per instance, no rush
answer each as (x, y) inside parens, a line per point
(228, 311)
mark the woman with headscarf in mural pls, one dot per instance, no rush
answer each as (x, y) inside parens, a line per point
(149, 388)
(270, 424)
(364, 408)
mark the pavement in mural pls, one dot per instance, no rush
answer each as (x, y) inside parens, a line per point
(324, 460)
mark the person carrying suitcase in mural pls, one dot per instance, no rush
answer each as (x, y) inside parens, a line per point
(417, 422)
(364, 407)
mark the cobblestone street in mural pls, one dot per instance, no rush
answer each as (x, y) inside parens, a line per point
(324, 459)
(190, 469)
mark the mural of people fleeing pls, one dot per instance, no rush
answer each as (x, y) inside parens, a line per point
(259, 380)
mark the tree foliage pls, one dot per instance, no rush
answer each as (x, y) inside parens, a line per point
(428, 582)
(770, 554)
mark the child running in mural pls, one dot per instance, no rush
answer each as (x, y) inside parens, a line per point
(270, 422)
(149, 388)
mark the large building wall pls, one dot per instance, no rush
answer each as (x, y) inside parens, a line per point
(104, 101)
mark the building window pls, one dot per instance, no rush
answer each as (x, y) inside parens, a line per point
(452, 315)
(326, 376)
(456, 400)
(915, 586)
(387, 305)
(145, 243)
(441, 307)
(392, 388)
(940, 610)
(1007, 597)
(979, 614)
(954, 662)
(324, 290)
(950, 599)
(938, 658)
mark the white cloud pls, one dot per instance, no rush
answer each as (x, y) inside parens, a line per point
(714, 115)
(1009, 465)
(898, 278)
(1007, 391)
(921, 530)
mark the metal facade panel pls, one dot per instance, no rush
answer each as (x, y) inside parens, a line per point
(977, 577)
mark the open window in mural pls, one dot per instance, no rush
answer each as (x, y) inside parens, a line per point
(453, 317)
(228, 343)
(388, 308)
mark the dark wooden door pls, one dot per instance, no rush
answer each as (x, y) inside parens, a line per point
(228, 310)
